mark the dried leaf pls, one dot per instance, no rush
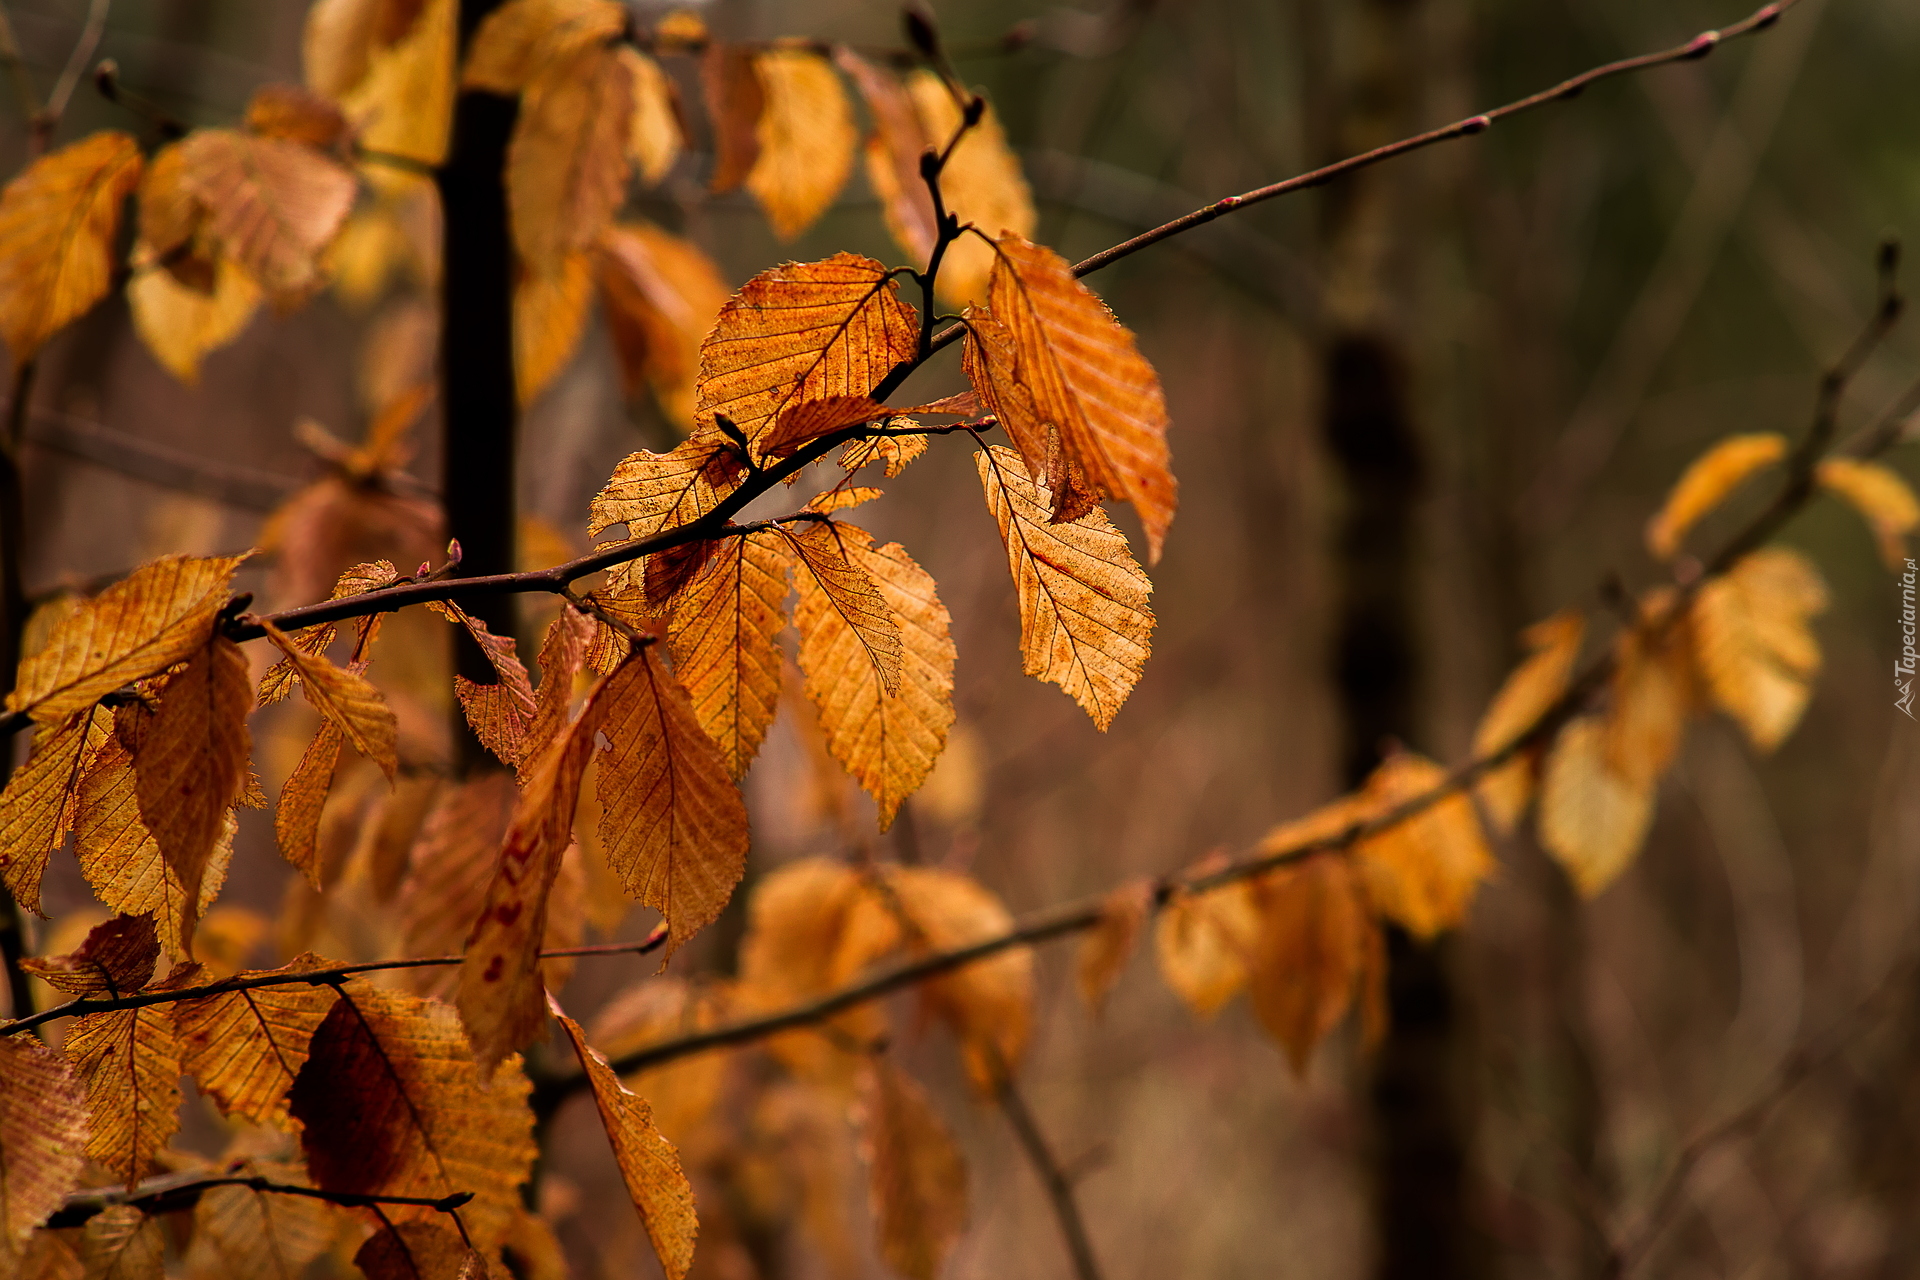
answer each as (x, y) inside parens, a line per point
(154, 617)
(116, 959)
(839, 499)
(1754, 642)
(43, 1136)
(653, 141)
(303, 799)
(38, 807)
(238, 1231)
(1310, 954)
(244, 1048)
(805, 136)
(272, 205)
(1535, 685)
(122, 1243)
(452, 869)
(724, 633)
(348, 700)
(130, 1061)
(673, 824)
(731, 82)
(667, 572)
(419, 1250)
(648, 1163)
(981, 184)
(1074, 393)
(181, 325)
(660, 295)
(895, 451)
(1084, 620)
(1109, 945)
(393, 1104)
(401, 100)
(1422, 871)
(1592, 819)
(549, 316)
(887, 737)
(567, 162)
(1653, 690)
(513, 41)
(1205, 944)
(804, 331)
(806, 421)
(893, 154)
(653, 492)
(838, 598)
(1706, 483)
(58, 223)
(917, 1175)
(294, 114)
(341, 37)
(361, 578)
(1883, 499)
(797, 948)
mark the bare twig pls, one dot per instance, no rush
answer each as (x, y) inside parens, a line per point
(1053, 1177)
(47, 119)
(182, 1191)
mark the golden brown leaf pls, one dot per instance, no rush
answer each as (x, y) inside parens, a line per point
(180, 324)
(342, 35)
(653, 142)
(418, 1250)
(894, 451)
(837, 594)
(887, 737)
(805, 136)
(1706, 483)
(37, 809)
(562, 651)
(295, 114)
(240, 1232)
(1205, 944)
(1422, 871)
(653, 492)
(348, 700)
(397, 86)
(1754, 642)
(724, 633)
(803, 423)
(1073, 391)
(893, 154)
(843, 499)
(1653, 691)
(1592, 819)
(116, 959)
(1084, 620)
(58, 222)
(452, 868)
(673, 825)
(501, 993)
(122, 1243)
(1883, 499)
(154, 617)
(517, 38)
(280, 678)
(660, 295)
(981, 184)
(567, 162)
(244, 1048)
(303, 798)
(499, 713)
(1310, 954)
(130, 1061)
(797, 925)
(43, 1136)
(549, 315)
(648, 1163)
(917, 1175)
(731, 82)
(1535, 685)
(1105, 950)
(171, 217)
(804, 331)
(667, 572)
(192, 766)
(272, 205)
(393, 1104)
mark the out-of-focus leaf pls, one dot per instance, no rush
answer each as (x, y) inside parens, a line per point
(58, 222)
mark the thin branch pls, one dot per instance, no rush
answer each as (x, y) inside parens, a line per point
(182, 1191)
(47, 119)
(1053, 1177)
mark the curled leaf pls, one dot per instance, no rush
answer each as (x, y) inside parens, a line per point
(1707, 482)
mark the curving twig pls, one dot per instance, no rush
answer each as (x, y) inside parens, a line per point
(182, 1191)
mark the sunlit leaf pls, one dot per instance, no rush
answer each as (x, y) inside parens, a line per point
(805, 135)
(731, 82)
(567, 162)
(43, 1136)
(1592, 819)
(130, 1061)
(1883, 499)
(723, 632)
(981, 184)
(1706, 483)
(660, 295)
(272, 205)
(1754, 641)
(1535, 685)
(836, 590)
(244, 1048)
(58, 222)
(348, 700)
(37, 809)
(116, 959)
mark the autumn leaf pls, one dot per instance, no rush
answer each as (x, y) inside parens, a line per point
(452, 868)
(981, 184)
(917, 1177)
(419, 1250)
(804, 331)
(281, 677)
(1592, 819)
(797, 947)
(342, 36)
(1084, 620)
(1754, 644)
(1108, 946)
(43, 1136)
(192, 766)
(393, 1104)
(887, 737)
(567, 161)
(1706, 483)
(238, 1231)
(130, 1061)
(171, 219)
(654, 139)
(347, 699)
(1422, 871)
(895, 452)
(893, 153)
(837, 592)
(843, 499)
(38, 808)
(154, 617)
(516, 38)
(648, 1163)
(1535, 685)
(122, 1243)
(1883, 499)
(806, 421)
(1205, 944)
(1309, 956)
(59, 220)
(116, 959)
(730, 80)
(724, 632)
(244, 1048)
(272, 205)
(549, 315)
(1073, 392)
(672, 824)
(294, 114)
(390, 65)
(654, 492)
(180, 324)
(1652, 691)
(303, 799)
(805, 136)
(660, 295)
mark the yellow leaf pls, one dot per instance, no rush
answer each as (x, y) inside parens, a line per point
(549, 315)
(1754, 642)
(43, 1136)
(894, 451)
(122, 1243)
(893, 152)
(180, 325)
(1084, 620)
(348, 700)
(981, 184)
(1077, 398)
(1310, 954)
(724, 633)
(653, 143)
(648, 1163)
(38, 807)
(130, 1061)
(673, 825)
(58, 222)
(514, 40)
(1706, 483)
(1652, 692)
(401, 100)
(660, 295)
(804, 331)
(192, 765)
(1422, 872)
(238, 1231)
(917, 1175)
(838, 499)
(244, 1048)
(421, 1250)
(806, 139)
(273, 205)
(341, 36)
(280, 678)
(154, 617)
(295, 114)
(886, 734)
(653, 492)
(1107, 948)
(567, 162)
(1535, 685)
(303, 798)
(731, 82)
(1882, 497)
(1592, 819)
(116, 959)
(393, 1104)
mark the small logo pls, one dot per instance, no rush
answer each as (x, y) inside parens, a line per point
(1905, 701)
(1909, 660)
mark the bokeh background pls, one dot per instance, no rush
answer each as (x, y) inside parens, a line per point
(1552, 319)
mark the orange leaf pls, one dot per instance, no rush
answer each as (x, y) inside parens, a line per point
(1310, 954)
(731, 81)
(419, 1250)
(1706, 483)
(1754, 641)
(654, 137)
(654, 492)
(981, 184)
(244, 1048)
(130, 1061)
(348, 700)
(795, 949)
(452, 869)
(59, 220)
(122, 1243)
(805, 139)
(273, 205)
(43, 1136)
(838, 499)
(1422, 872)
(567, 161)
(514, 40)
(238, 1231)
(1883, 499)
(895, 451)
(303, 798)
(806, 421)
(1592, 818)
(917, 1175)
(181, 324)
(1535, 685)
(724, 633)
(1107, 948)
(37, 809)
(893, 154)
(116, 959)
(838, 594)
(660, 295)
(1205, 943)
(295, 114)
(549, 316)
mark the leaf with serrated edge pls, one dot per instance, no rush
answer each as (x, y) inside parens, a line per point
(806, 138)
(894, 451)
(724, 634)
(143, 624)
(1592, 820)
(1706, 483)
(59, 220)
(838, 499)
(272, 205)
(653, 492)
(303, 798)
(244, 1048)
(43, 1135)
(361, 578)
(1883, 499)
(836, 591)
(1535, 685)
(673, 825)
(917, 1175)
(130, 1061)
(1310, 953)
(648, 1163)
(888, 739)
(805, 421)
(260, 1235)
(1754, 642)
(37, 809)
(116, 959)
(1084, 620)
(348, 700)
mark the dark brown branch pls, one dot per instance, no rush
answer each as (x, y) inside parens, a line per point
(1053, 1177)
(182, 1191)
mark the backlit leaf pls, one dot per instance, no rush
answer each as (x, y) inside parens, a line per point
(398, 91)
(567, 162)
(1754, 642)
(116, 959)
(1205, 944)
(37, 809)
(724, 633)
(1652, 692)
(295, 114)
(43, 1136)
(1706, 483)
(654, 140)
(303, 798)
(731, 82)
(451, 870)
(130, 1061)
(660, 295)
(802, 423)
(1535, 685)
(893, 152)
(244, 1048)
(838, 593)
(1311, 953)
(348, 700)
(549, 315)
(272, 205)
(58, 222)
(1592, 819)
(843, 499)
(1422, 871)
(981, 184)
(653, 492)
(917, 1175)
(796, 949)
(1084, 620)
(805, 136)
(240, 1232)
(181, 325)
(341, 36)
(419, 1250)
(894, 451)
(1105, 950)
(1883, 499)
(516, 38)
(122, 1243)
